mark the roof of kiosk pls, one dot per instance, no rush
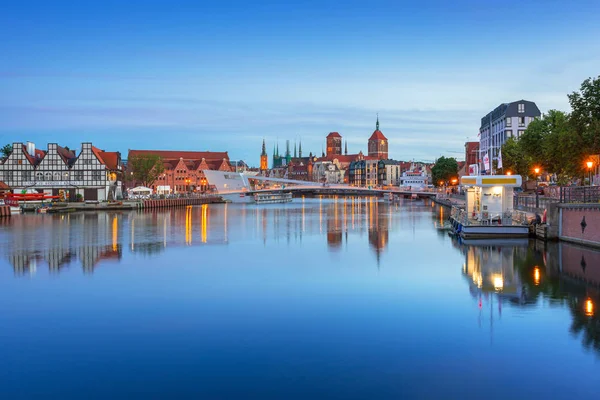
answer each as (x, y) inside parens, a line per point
(491, 180)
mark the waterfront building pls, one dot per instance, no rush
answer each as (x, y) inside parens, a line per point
(471, 153)
(94, 174)
(388, 173)
(183, 169)
(378, 144)
(328, 172)
(363, 172)
(505, 121)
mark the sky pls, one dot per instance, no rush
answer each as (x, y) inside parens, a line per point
(224, 75)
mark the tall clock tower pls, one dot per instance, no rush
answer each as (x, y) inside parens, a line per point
(264, 159)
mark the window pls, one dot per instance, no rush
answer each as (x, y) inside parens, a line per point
(57, 176)
(520, 133)
(48, 176)
(521, 107)
(39, 176)
(508, 133)
(521, 121)
(78, 175)
(508, 122)
(96, 175)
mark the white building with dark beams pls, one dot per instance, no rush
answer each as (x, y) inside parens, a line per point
(505, 121)
(94, 174)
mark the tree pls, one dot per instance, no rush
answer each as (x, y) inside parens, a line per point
(444, 170)
(146, 168)
(585, 117)
(6, 150)
(514, 158)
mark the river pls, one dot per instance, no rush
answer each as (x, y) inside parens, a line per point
(320, 298)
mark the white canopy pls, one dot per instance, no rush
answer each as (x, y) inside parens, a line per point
(141, 190)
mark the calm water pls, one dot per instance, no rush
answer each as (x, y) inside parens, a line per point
(346, 298)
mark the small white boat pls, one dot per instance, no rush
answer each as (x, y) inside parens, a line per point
(272, 197)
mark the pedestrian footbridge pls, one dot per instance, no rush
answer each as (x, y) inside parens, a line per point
(230, 183)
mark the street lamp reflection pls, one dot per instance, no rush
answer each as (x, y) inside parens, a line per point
(589, 308)
(536, 276)
(498, 282)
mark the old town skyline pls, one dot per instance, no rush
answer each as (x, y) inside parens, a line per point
(213, 77)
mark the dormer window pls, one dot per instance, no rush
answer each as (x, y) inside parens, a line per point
(521, 108)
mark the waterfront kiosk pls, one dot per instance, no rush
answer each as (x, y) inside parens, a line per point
(488, 211)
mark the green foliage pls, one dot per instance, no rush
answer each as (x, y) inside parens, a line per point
(146, 168)
(6, 150)
(514, 158)
(585, 116)
(445, 169)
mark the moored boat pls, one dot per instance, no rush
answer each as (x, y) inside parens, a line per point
(272, 197)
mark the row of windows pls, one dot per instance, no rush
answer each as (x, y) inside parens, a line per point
(51, 176)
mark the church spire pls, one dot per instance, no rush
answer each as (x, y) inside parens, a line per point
(295, 152)
(264, 148)
(377, 124)
(346, 148)
(300, 149)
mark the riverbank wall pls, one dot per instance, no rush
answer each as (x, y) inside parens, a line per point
(173, 203)
(576, 223)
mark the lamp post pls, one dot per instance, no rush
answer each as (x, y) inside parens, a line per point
(537, 196)
(590, 164)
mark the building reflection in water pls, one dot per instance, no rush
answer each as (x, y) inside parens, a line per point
(59, 241)
(522, 275)
(91, 239)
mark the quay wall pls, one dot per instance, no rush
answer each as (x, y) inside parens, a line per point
(577, 223)
(172, 203)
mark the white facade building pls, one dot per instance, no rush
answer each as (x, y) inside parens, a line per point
(506, 120)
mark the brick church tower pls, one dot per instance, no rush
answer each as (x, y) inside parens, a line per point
(378, 144)
(334, 144)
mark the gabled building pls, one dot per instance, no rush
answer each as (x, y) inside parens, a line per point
(60, 171)
(183, 169)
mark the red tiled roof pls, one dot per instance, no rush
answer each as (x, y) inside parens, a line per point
(186, 155)
(65, 154)
(29, 156)
(111, 159)
(377, 135)
(97, 152)
(4, 186)
(334, 134)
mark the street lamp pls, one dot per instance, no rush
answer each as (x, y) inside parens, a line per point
(590, 164)
(508, 173)
(537, 196)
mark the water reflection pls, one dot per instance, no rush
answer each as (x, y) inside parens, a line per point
(532, 273)
(92, 239)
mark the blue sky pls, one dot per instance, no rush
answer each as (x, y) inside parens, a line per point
(221, 75)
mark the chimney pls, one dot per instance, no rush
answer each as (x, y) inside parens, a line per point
(31, 148)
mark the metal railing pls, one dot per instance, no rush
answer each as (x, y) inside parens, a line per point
(580, 194)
